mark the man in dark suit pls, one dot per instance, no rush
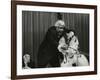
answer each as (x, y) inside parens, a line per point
(48, 52)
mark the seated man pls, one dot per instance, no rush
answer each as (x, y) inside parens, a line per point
(69, 48)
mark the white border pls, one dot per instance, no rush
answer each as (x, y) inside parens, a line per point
(21, 71)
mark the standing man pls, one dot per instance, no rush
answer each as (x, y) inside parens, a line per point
(48, 52)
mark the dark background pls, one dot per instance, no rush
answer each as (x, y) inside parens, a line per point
(36, 24)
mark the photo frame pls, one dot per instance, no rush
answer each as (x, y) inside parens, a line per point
(25, 19)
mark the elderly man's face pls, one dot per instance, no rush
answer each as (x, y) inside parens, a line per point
(60, 25)
(60, 28)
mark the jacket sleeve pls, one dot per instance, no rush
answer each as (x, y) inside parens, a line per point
(52, 38)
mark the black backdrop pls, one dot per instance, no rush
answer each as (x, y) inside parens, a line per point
(35, 25)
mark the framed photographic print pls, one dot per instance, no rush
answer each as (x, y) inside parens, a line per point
(53, 39)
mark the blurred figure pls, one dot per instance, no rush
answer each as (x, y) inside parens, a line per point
(27, 63)
(26, 59)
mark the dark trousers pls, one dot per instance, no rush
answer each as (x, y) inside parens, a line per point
(53, 62)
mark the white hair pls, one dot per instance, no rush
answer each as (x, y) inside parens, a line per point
(59, 22)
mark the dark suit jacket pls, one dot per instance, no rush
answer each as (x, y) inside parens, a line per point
(48, 47)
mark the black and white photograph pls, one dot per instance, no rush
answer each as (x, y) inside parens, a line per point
(51, 40)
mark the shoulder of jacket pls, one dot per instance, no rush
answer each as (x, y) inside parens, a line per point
(52, 28)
